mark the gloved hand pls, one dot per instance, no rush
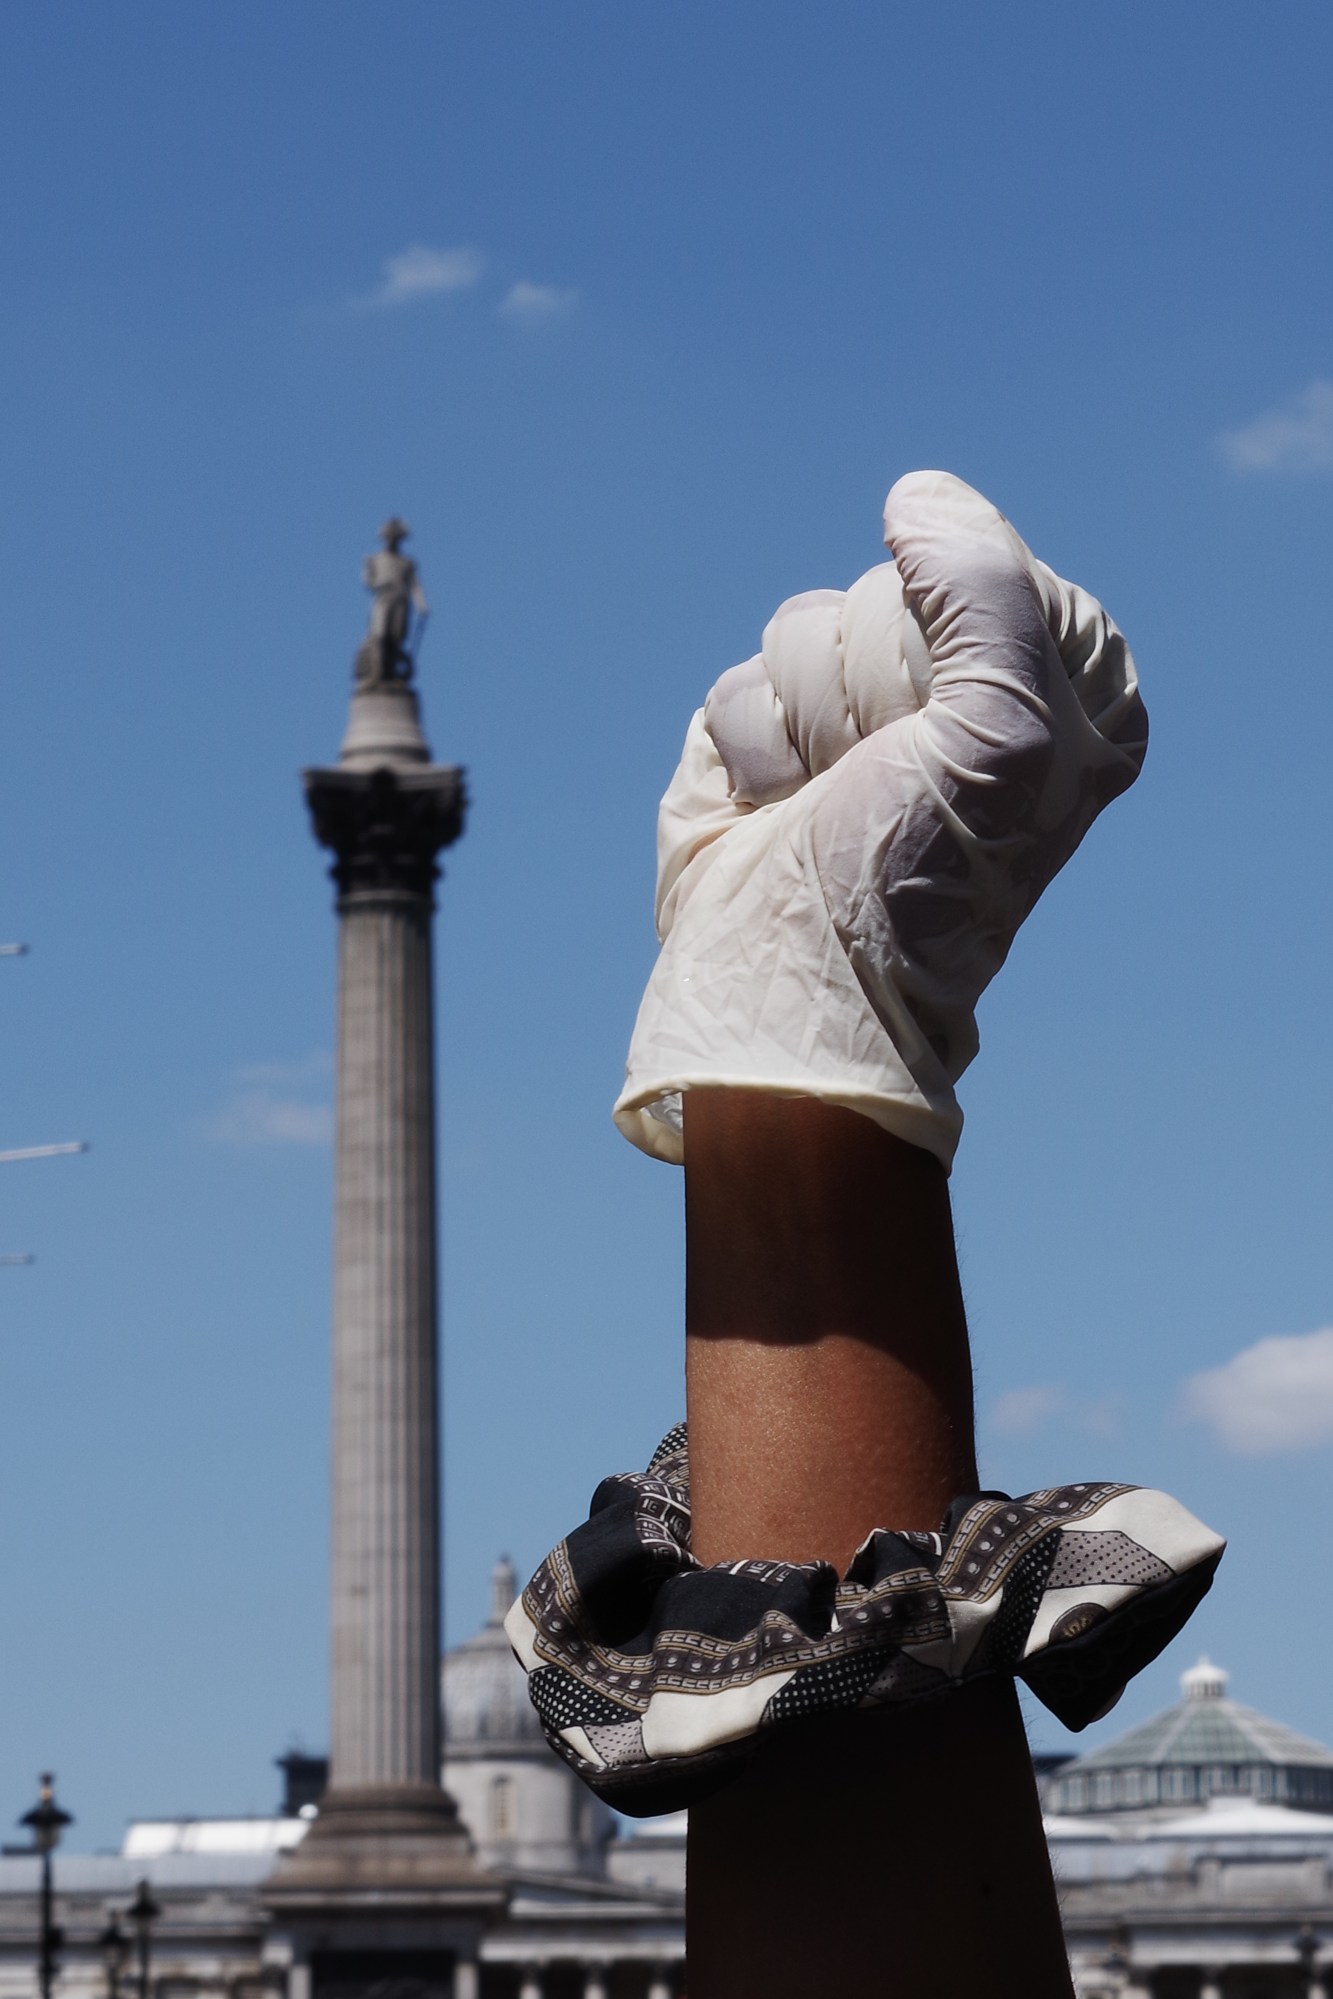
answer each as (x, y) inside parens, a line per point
(863, 815)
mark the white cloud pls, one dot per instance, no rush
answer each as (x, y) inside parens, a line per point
(530, 303)
(312, 1068)
(1018, 1412)
(1274, 1396)
(422, 272)
(1296, 438)
(419, 272)
(276, 1103)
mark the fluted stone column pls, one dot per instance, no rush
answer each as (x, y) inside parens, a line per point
(385, 1610)
(385, 1826)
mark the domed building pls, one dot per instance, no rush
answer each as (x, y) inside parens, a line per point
(1194, 1855)
(1207, 1746)
(524, 1808)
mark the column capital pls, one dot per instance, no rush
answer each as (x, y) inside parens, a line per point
(386, 826)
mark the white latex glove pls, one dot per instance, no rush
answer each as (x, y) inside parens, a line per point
(863, 815)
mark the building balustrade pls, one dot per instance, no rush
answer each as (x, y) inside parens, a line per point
(1117, 1978)
(598, 1976)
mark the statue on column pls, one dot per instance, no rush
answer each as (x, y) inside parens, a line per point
(391, 577)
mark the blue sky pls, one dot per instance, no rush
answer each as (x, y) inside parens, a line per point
(635, 312)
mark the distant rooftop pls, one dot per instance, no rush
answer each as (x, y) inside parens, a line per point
(1206, 1746)
(484, 1690)
(150, 1839)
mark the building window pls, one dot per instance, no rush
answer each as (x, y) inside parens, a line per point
(502, 1808)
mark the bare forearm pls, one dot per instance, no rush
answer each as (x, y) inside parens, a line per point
(828, 1377)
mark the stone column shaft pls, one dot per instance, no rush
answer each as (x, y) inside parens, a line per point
(385, 1610)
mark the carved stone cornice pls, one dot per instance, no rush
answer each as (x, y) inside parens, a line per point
(385, 827)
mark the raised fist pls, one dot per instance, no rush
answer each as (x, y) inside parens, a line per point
(863, 815)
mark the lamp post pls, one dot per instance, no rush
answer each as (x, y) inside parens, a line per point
(46, 1822)
(115, 1948)
(1307, 1952)
(143, 1913)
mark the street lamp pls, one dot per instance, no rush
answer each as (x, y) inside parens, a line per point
(46, 1822)
(1307, 1951)
(143, 1913)
(115, 1948)
(1117, 1959)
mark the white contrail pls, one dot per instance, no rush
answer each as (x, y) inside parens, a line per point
(43, 1151)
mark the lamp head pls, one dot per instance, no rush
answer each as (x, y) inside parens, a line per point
(114, 1944)
(46, 1821)
(143, 1910)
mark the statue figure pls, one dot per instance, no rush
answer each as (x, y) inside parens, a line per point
(392, 579)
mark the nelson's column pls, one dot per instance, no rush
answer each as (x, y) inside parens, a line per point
(384, 1889)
